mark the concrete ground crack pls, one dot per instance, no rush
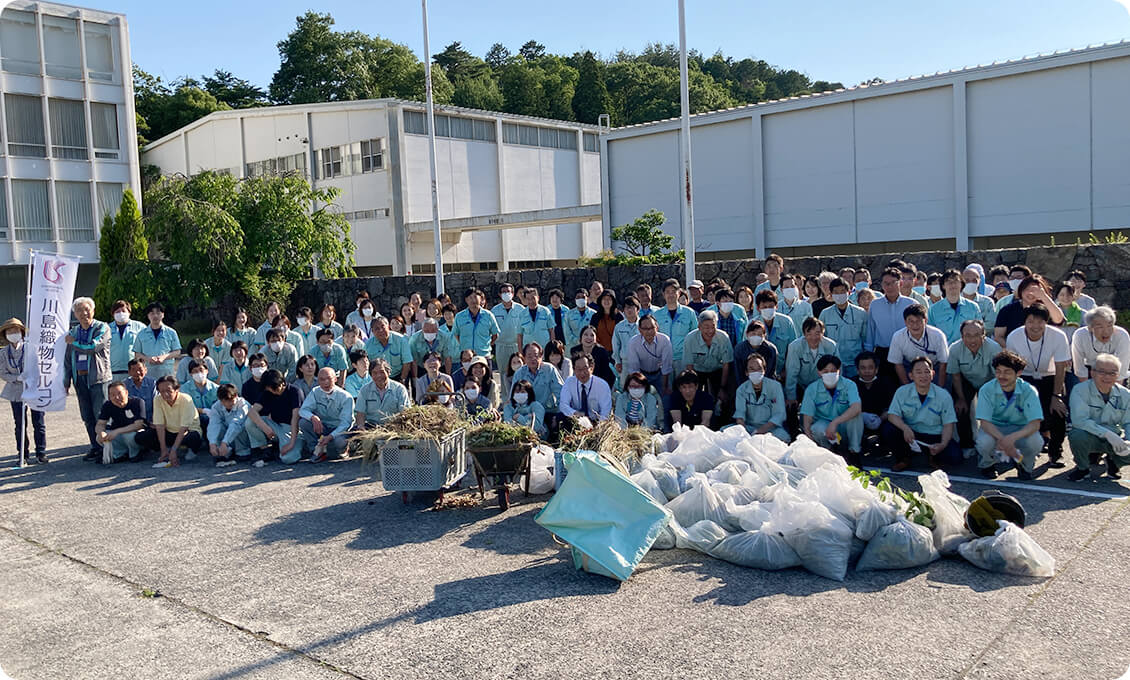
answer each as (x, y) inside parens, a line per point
(1045, 586)
(140, 587)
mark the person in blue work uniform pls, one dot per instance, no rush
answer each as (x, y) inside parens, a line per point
(506, 314)
(535, 323)
(380, 399)
(356, 317)
(237, 369)
(546, 382)
(791, 303)
(202, 391)
(141, 386)
(802, 357)
(123, 333)
(280, 354)
(218, 345)
(307, 328)
(759, 403)
(732, 318)
(577, 318)
(1009, 413)
(779, 328)
(87, 366)
(272, 312)
(755, 343)
(974, 290)
(624, 331)
(643, 294)
(241, 331)
(1100, 419)
(327, 319)
(774, 267)
(884, 319)
(524, 409)
(227, 439)
(969, 368)
(324, 419)
(831, 412)
(474, 330)
(921, 416)
(429, 339)
(326, 352)
(676, 322)
(197, 349)
(157, 344)
(393, 348)
(638, 405)
(845, 324)
(953, 309)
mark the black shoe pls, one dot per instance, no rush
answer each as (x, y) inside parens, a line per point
(1023, 474)
(1112, 469)
(92, 456)
(1078, 474)
(989, 472)
(42, 458)
(1055, 462)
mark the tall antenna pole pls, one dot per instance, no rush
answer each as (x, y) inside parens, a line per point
(432, 153)
(685, 147)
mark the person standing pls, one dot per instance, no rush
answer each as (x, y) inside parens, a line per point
(13, 332)
(578, 317)
(845, 324)
(87, 367)
(123, 334)
(157, 344)
(884, 319)
(949, 313)
(535, 323)
(676, 322)
(475, 330)
(506, 314)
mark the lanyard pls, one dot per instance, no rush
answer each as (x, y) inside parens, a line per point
(16, 365)
(1037, 368)
(653, 354)
(925, 337)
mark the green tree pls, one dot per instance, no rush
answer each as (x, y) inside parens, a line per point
(591, 98)
(123, 253)
(644, 236)
(235, 93)
(497, 56)
(532, 50)
(480, 92)
(319, 64)
(458, 63)
(254, 237)
(558, 87)
(521, 89)
(166, 107)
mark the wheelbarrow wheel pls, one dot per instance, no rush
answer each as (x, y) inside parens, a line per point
(503, 498)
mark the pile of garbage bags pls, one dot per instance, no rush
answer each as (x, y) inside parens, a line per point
(757, 502)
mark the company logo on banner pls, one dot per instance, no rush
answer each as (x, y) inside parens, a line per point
(49, 315)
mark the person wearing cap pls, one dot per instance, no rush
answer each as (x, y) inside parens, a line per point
(123, 332)
(12, 333)
(697, 302)
(157, 344)
(87, 367)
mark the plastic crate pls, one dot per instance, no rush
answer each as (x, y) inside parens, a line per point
(423, 464)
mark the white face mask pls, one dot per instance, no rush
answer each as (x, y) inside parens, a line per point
(755, 340)
(768, 313)
(367, 312)
(581, 303)
(258, 371)
(515, 367)
(1014, 284)
(840, 298)
(507, 297)
(430, 337)
(301, 320)
(860, 285)
(200, 377)
(636, 392)
(936, 290)
(970, 288)
(15, 338)
(726, 307)
(756, 377)
(471, 394)
(466, 366)
(276, 347)
(521, 398)
(121, 317)
(790, 294)
(830, 379)
(442, 398)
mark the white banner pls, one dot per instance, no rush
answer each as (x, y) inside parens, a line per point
(49, 317)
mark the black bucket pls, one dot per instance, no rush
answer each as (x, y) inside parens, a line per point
(1004, 504)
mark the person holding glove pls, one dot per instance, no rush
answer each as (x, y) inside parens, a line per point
(1100, 418)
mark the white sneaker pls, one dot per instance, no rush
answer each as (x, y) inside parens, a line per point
(225, 463)
(162, 464)
(259, 463)
(190, 456)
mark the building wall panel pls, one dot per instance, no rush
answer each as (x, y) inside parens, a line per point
(1110, 142)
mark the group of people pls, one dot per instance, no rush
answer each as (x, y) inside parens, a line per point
(992, 364)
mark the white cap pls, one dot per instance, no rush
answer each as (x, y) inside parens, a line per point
(695, 284)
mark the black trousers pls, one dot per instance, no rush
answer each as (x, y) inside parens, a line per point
(37, 427)
(885, 367)
(147, 439)
(1054, 424)
(965, 420)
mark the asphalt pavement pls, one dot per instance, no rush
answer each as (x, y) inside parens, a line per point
(314, 571)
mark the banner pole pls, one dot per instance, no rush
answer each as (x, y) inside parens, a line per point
(23, 444)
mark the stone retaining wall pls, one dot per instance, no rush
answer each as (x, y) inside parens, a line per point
(1107, 268)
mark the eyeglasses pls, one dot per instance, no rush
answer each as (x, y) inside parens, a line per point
(1103, 372)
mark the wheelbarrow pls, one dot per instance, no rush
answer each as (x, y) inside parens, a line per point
(501, 465)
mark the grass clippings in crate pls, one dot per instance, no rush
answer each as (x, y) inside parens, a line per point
(610, 439)
(494, 435)
(414, 422)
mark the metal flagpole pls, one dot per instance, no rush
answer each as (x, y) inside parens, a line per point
(432, 153)
(685, 147)
(27, 320)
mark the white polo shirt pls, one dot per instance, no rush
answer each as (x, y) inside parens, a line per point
(932, 344)
(1041, 354)
(1084, 349)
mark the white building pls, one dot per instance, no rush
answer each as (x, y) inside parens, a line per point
(514, 191)
(67, 135)
(1003, 154)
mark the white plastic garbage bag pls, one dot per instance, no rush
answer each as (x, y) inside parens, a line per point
(772, 448)
(541, 464)
(698, 449)
(820, 539)
(949, 512)
(729, 472)
(666, 539)
(809, 456)
(762, 549)
(900, 545)
(701, 536)
(698, 503)
(749, 517)
(833, 486)
(646, 481)
(873, 517)
(666, 476)
(743, 495)
(1009, 551)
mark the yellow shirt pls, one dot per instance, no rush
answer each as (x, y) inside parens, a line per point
(181, 414)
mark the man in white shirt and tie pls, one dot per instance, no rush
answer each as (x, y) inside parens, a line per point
(585, 394)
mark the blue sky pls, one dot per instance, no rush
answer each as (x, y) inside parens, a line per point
(828, 39)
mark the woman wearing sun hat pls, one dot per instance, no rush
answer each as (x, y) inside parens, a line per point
(12, 334)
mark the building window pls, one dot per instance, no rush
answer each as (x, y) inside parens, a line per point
(530, 264)
(68, 129)
(19, 42)
(591, 142)
(25, 126)
(510, 133)
(99, 51)
(104, 125)
(331, 162)
(415, 122)
(484, 131)
(372, 156)
(72, 201)
(528, 135)
(462, 128)
(109, 198)
(31, 211)
(60, 47)
(3, 211)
